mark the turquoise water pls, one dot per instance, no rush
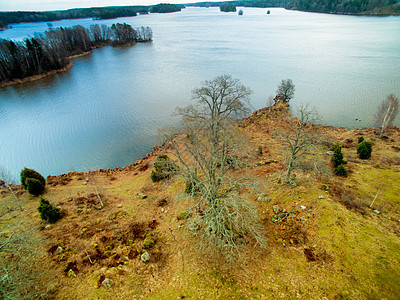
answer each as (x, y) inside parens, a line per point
(106, 111)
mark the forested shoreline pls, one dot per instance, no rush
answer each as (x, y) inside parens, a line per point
(98, 13)
(376, 7)
(50, 51)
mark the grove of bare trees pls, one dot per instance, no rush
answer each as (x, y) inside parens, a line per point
(50, 50)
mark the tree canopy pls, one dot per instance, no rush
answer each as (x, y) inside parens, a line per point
(285, 90)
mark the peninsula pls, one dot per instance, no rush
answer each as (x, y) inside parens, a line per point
(328, 236)
(50, 52)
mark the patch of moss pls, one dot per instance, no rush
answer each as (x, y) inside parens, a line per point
(184, 215)
(149, 242)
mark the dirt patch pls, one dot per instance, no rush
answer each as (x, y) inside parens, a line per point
(291, 225)
(310, 255)
(313, 255)
(162, 202)
(72, 265)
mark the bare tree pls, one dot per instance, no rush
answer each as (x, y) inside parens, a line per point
(387, 112)
(285, 90)
(222, 97)
(207, 148)
(301, 137)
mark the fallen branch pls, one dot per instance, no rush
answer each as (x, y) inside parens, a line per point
(375, 197)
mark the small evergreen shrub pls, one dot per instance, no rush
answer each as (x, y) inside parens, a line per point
(30, 173)
(163, 168)
(259, 151)
(48, 212)
(337, 158)
(34, 186)
(154, 177)
(364, 150)
(341, 171)
(360, 139)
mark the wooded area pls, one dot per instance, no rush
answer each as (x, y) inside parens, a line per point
(50, 50)
(111, 12)
(340, 6)
(323, 6)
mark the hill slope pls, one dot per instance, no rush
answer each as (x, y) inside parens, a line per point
(331, 244)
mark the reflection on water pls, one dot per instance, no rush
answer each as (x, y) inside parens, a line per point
(106, 110)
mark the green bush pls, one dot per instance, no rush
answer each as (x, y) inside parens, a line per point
(337, 158)
(48, 212)
(341, 171)
(364, 150)
(34, 186)
(360, 139)
(259, 151)
(30, 173)
(163, 168)
(155, 177)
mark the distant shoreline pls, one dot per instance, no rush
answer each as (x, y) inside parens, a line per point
(96, 13)
(382, 12)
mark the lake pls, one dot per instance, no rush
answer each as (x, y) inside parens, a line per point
(106, 111)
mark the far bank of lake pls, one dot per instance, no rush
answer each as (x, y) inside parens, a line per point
(107, 109)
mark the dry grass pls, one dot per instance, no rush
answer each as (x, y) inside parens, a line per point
(340, 248)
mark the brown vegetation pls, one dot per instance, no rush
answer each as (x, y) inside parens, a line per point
(324, 239)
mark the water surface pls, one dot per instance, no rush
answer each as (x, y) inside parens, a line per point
(106, 110)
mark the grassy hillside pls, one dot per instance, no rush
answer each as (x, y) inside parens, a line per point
(331, 244)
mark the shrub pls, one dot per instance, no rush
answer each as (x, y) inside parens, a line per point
(341, 171)
(48, 212)
(164, 168)
(364, 150)
(350, 201)
(259, 151)
(337, 157)
(360, 139)
(154, 177)
(34, 186)
(30, 173)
